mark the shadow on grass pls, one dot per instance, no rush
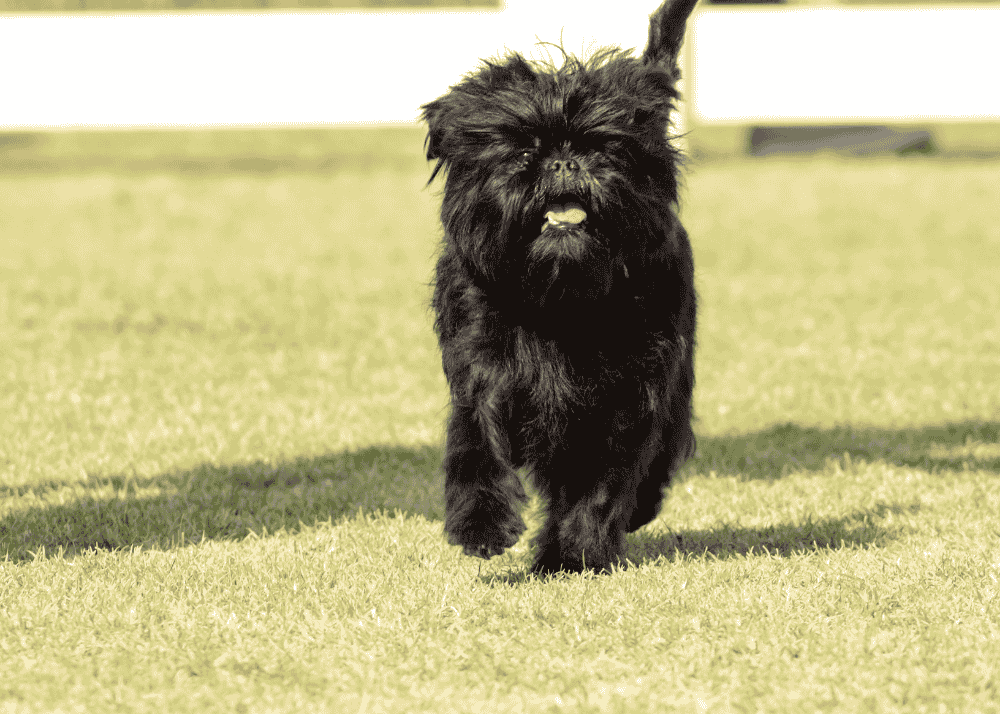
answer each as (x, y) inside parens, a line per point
(787, 448)
(212, 502)
(859, 528)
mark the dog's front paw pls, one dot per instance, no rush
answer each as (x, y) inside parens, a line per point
(483, 550)
(482, 538)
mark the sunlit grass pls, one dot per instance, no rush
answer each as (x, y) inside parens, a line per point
(222, 418)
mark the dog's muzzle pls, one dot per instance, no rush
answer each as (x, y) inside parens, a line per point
(566, 262)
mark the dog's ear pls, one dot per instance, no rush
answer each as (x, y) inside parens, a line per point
(435, 115)
(666, 32)
(438, 115)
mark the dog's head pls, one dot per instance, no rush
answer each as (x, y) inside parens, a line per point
(559, 176)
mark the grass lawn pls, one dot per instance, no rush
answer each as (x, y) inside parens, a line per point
(221, 412)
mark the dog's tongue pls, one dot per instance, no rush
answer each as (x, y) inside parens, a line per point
(566, 213)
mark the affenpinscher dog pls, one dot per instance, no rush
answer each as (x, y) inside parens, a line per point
(564, 297)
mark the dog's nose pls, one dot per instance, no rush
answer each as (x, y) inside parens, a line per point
(564, 166)
(564, 175)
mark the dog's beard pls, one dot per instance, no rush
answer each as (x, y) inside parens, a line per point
(567, 262)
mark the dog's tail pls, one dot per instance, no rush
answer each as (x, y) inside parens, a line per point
(666, 32)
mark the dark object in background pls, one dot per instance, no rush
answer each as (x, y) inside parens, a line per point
(857, 140)
(564, 297)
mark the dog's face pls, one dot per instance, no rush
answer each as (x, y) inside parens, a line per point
(558, 177)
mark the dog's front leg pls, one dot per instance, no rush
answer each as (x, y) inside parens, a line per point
(594, 486)
(591, 498)
(587, 530)
(482, 493)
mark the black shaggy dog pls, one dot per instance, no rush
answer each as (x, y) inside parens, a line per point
(564, 297)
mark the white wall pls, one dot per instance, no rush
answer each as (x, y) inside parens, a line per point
(356, 67)
(845, 64)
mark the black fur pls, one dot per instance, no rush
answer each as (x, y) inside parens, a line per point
(567, 343)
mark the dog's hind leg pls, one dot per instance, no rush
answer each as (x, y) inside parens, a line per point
(677, 447)
(482, 493)
(675, 443)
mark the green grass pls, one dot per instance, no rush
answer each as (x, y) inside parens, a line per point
(222, 424)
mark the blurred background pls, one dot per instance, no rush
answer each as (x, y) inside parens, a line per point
(761, 78)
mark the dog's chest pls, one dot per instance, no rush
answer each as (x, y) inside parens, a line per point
(553, 374)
